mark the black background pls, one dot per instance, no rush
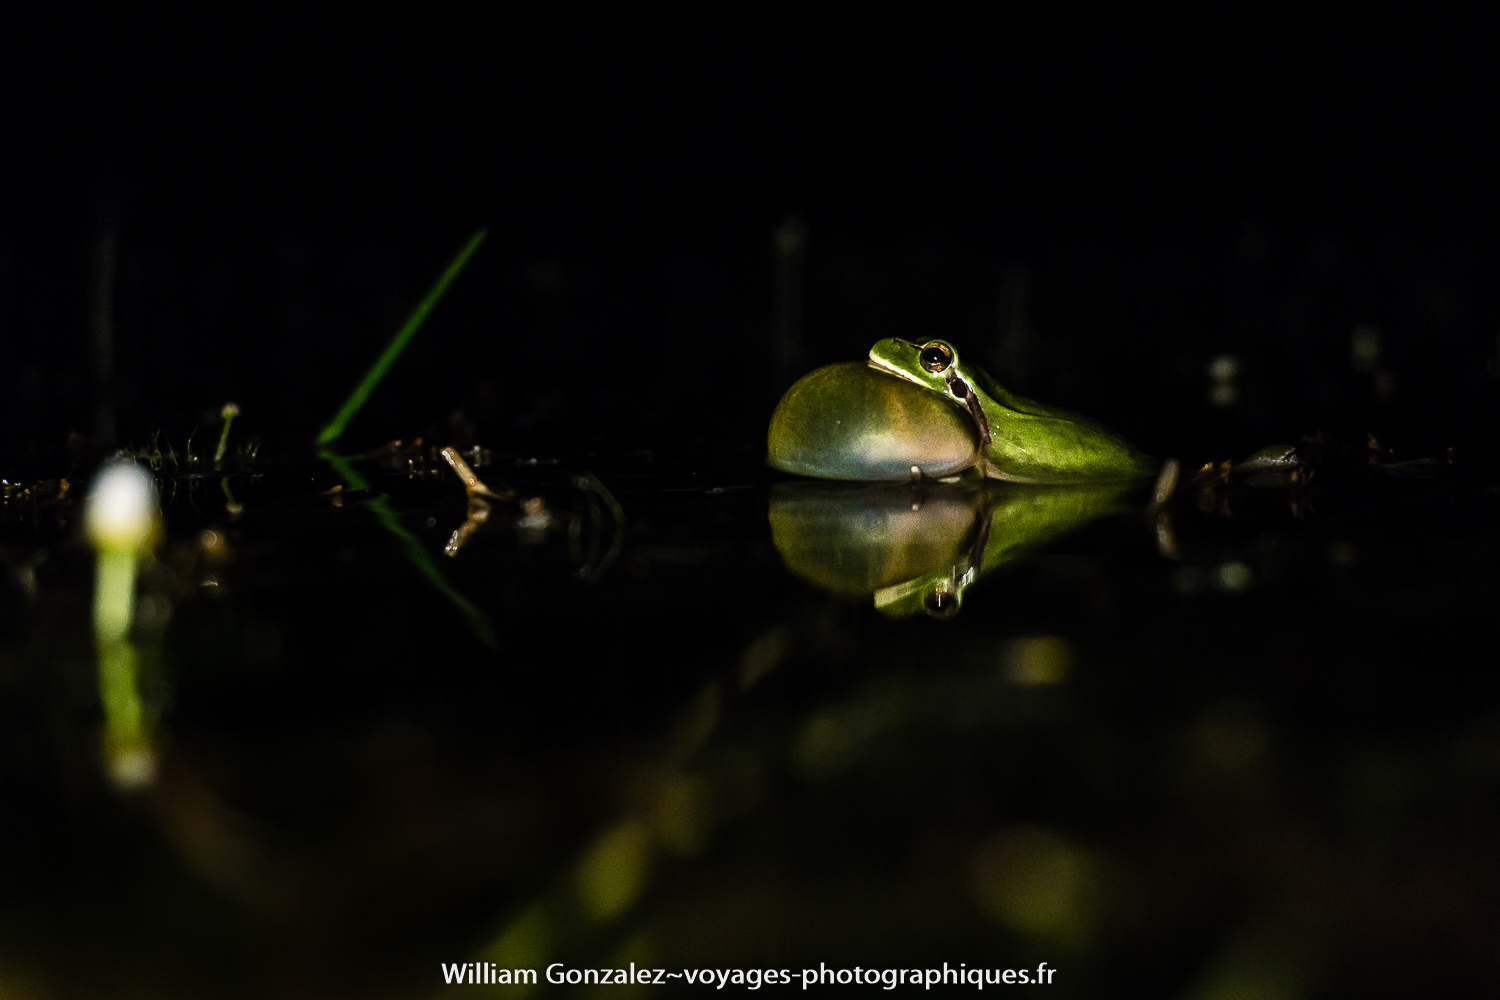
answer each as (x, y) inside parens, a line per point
(1178, 184)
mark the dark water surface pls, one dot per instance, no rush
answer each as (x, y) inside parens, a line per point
(1249, 748)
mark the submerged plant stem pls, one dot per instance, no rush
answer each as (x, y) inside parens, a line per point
(398, 343)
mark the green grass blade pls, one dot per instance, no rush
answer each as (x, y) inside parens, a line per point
(398, 343)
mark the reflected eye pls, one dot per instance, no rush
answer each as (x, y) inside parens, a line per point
(935, 357)
(940, 604)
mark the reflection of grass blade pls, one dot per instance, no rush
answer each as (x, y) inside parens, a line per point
(591, 486)
(596, 526)
(478, 623)
(398, 344)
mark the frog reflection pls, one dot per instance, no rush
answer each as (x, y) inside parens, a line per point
(920, 547)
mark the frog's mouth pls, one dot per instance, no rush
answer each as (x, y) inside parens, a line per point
(890, 369)
(881, 365)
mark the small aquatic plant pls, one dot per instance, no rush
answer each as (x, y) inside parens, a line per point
(121, 520)
(229, 412)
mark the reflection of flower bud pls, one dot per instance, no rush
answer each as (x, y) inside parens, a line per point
(121, 508)
(1224, 369)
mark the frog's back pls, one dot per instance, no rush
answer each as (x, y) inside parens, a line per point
(1035, 443)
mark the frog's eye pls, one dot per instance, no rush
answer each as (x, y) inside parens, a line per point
(935, 357)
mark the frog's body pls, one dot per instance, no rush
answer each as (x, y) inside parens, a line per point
(1019, 440)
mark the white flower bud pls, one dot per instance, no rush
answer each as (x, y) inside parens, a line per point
(121, 508)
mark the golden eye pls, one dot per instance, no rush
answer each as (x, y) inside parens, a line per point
(935, 357)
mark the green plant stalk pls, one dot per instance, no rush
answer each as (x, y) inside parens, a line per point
(398, 343)
(114, 609)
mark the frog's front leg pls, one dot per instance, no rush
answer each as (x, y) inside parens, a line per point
(963, 391)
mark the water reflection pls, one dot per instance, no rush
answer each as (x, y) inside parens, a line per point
(920, 547)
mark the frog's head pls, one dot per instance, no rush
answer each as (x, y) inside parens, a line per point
(939, 595)
(932, 365)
